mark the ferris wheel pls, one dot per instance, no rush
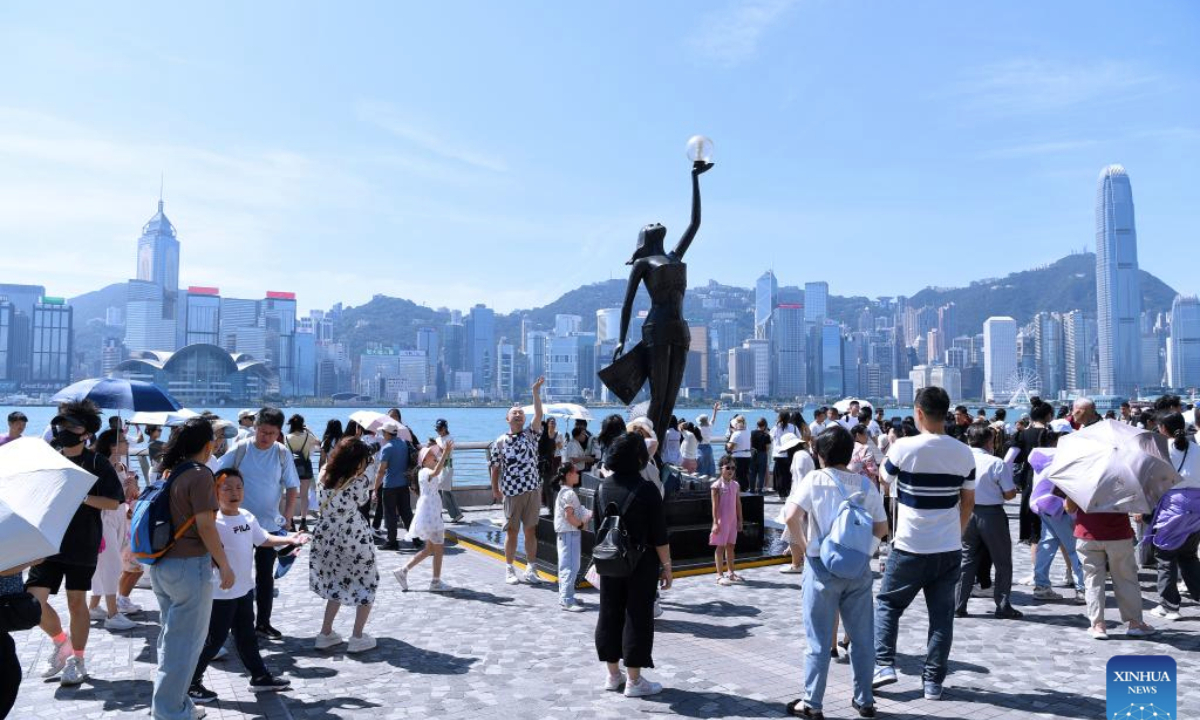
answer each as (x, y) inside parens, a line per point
(1022, 385)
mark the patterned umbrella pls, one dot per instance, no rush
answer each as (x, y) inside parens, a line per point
(117, 394)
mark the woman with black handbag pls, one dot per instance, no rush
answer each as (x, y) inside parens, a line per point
(625, 625)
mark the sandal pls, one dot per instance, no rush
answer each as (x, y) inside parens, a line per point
(735, 578)
(724, 581)
(797, 708)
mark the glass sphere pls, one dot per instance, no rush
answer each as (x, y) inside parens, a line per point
(699, 149)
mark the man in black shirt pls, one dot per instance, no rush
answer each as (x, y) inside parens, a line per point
(76, 423)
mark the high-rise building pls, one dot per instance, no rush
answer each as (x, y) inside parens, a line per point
(454, 348)
(148, 325)
(696, 372)
(481, 346)
(766, 292)
(1050, 352)
(564, 325)
(999, 358)
(816, 301)
(762, 365)
(1183, 348)
(948, 379)
(158, 265)
(562, 368)
(158, 252)
(1118, 285)
(306, 361)
(537, 344)
(279, 321)
(789, 344)
(1079, 338)
(947, 322)
(832, 369)
(52, 344)
(201, 316)
(506, 356)
(741, 370)
(608, 324)
(902, 390)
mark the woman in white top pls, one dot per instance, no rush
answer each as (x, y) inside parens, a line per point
(781, 473)
(573, 452)
(739, 447)
(689, 447)
(671, 441)
(706, 464)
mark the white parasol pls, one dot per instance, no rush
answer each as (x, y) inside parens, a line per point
(844, 404)
(568, 411)
(168, 418)
(371, 421)
(1113, 467)
(40, 490)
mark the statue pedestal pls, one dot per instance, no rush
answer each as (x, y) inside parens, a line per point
(689, 522)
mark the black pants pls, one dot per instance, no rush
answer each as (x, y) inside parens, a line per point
(264, 582)
(238, 616)
(1030, 530)
(781, 476)
(10, 674)
(987, 530)
(397, 502)
(742, 472)
(1173, 564)
(625, 623)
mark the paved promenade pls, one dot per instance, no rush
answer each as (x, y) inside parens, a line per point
(490, 650)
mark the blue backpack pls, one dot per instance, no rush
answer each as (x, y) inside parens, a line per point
(151, 531)
(846, 547)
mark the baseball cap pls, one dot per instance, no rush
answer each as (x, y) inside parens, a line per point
(243, 414)
(441, 424)
(390, 427)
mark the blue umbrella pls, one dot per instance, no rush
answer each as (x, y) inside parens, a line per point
(117, 394)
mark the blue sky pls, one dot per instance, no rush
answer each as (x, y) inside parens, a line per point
(454, 153)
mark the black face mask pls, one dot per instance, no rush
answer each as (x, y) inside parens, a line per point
(67, 439)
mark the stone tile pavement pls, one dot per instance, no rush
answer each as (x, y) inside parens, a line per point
(493, 651)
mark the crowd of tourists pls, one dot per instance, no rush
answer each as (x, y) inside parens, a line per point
(923, 494)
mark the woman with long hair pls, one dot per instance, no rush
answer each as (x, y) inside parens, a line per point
(781, 463)
(549, 459)
(612, 428)
(182, 577)
(342, 567)
(333, 433)
(302, 444)
(114, 579)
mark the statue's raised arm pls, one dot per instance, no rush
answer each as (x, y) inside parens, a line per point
(698, 168)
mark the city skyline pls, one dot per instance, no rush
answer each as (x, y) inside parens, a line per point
(289, 165)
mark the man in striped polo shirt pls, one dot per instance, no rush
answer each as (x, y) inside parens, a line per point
(934, 480)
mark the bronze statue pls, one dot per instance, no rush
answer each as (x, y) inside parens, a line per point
(662, 354)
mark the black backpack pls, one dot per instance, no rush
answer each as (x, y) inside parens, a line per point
(615, 554)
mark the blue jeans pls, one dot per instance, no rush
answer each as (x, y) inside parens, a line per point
(758, 472)
(705, 463)
(906, 575)
(568, 565)
(184, 587)
(823, 595)
(1056, 531)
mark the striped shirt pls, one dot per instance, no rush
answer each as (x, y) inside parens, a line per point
(928, 472)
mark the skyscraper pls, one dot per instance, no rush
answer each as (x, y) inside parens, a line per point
(999, 358)
(279, 321)
(505, 359)
(202, 316)
(789, 345)
(52, 344)
(158, 253)
(1118, 286)
(1079, 337)
(832, 378)
(816, 301)
(157, 315)
(1183, 348)
(481, 346)
(147, 324)
(1050, 352)
(766, 290)
(608, 324)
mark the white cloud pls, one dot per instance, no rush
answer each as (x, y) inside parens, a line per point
(389, 118)
(1028, 86)
(732, 35)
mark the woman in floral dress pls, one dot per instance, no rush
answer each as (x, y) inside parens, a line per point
(342, 566)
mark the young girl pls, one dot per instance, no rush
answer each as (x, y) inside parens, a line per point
(727, 520)
(233, 609)
(569, 517)
(427, 521)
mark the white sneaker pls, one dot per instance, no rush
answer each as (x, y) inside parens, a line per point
(510, 575)
(324, 642)
(1165, 614)
(58, 659)
(531, 576)
(1027, 580)
(1045, 593)
(360, 644)
(125, 606)
(573, 607)
(658, 611)
(98, 613)
(119, 622)
(401, 576)
(642, 688)
(436, 585)
(73, 673)
(613, 683)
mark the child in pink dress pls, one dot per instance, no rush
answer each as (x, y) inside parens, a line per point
(727, 520)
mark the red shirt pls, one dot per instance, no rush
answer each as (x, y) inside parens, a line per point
(1103, 526)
